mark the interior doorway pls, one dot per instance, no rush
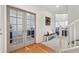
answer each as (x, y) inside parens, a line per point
(61, 20)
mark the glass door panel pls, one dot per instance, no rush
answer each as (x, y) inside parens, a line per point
(28, 30)
(16, 28)
(20, 27)
(12, 20)
(19, 21)
(13, 28)
(13, 24)
(30, 26)
(20, 14)
(13, 12)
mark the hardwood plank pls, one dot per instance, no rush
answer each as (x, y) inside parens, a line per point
(35, 48)
(23, 50)
(48, 49)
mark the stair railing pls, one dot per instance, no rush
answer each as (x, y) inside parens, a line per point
(71, 40)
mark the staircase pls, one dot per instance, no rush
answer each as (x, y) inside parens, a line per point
(72, 40)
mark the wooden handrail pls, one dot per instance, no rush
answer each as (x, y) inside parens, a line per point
(73, 22)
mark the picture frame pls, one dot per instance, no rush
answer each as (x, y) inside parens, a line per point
(47, 20)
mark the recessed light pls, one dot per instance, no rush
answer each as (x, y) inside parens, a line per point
(57, 6)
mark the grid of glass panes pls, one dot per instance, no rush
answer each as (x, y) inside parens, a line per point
(16, 26)
(19, 27)
(30, 26)
(13, 25)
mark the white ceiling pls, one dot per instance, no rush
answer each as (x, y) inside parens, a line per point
(54, 9)
(61, 17)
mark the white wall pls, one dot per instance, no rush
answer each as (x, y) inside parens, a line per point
(73, 12)
(2, 29)
(40, 20)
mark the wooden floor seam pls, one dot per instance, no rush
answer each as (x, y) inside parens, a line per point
(35, 48)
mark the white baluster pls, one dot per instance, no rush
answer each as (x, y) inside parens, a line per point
(67, 38)
(60, 38)
(70, 37)
(74, 35)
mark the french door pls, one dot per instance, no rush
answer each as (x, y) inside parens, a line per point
(29, 31)
(21, 28)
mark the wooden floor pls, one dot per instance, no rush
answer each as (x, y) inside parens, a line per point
(35, 48)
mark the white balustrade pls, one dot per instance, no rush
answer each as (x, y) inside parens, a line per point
(72, 35)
